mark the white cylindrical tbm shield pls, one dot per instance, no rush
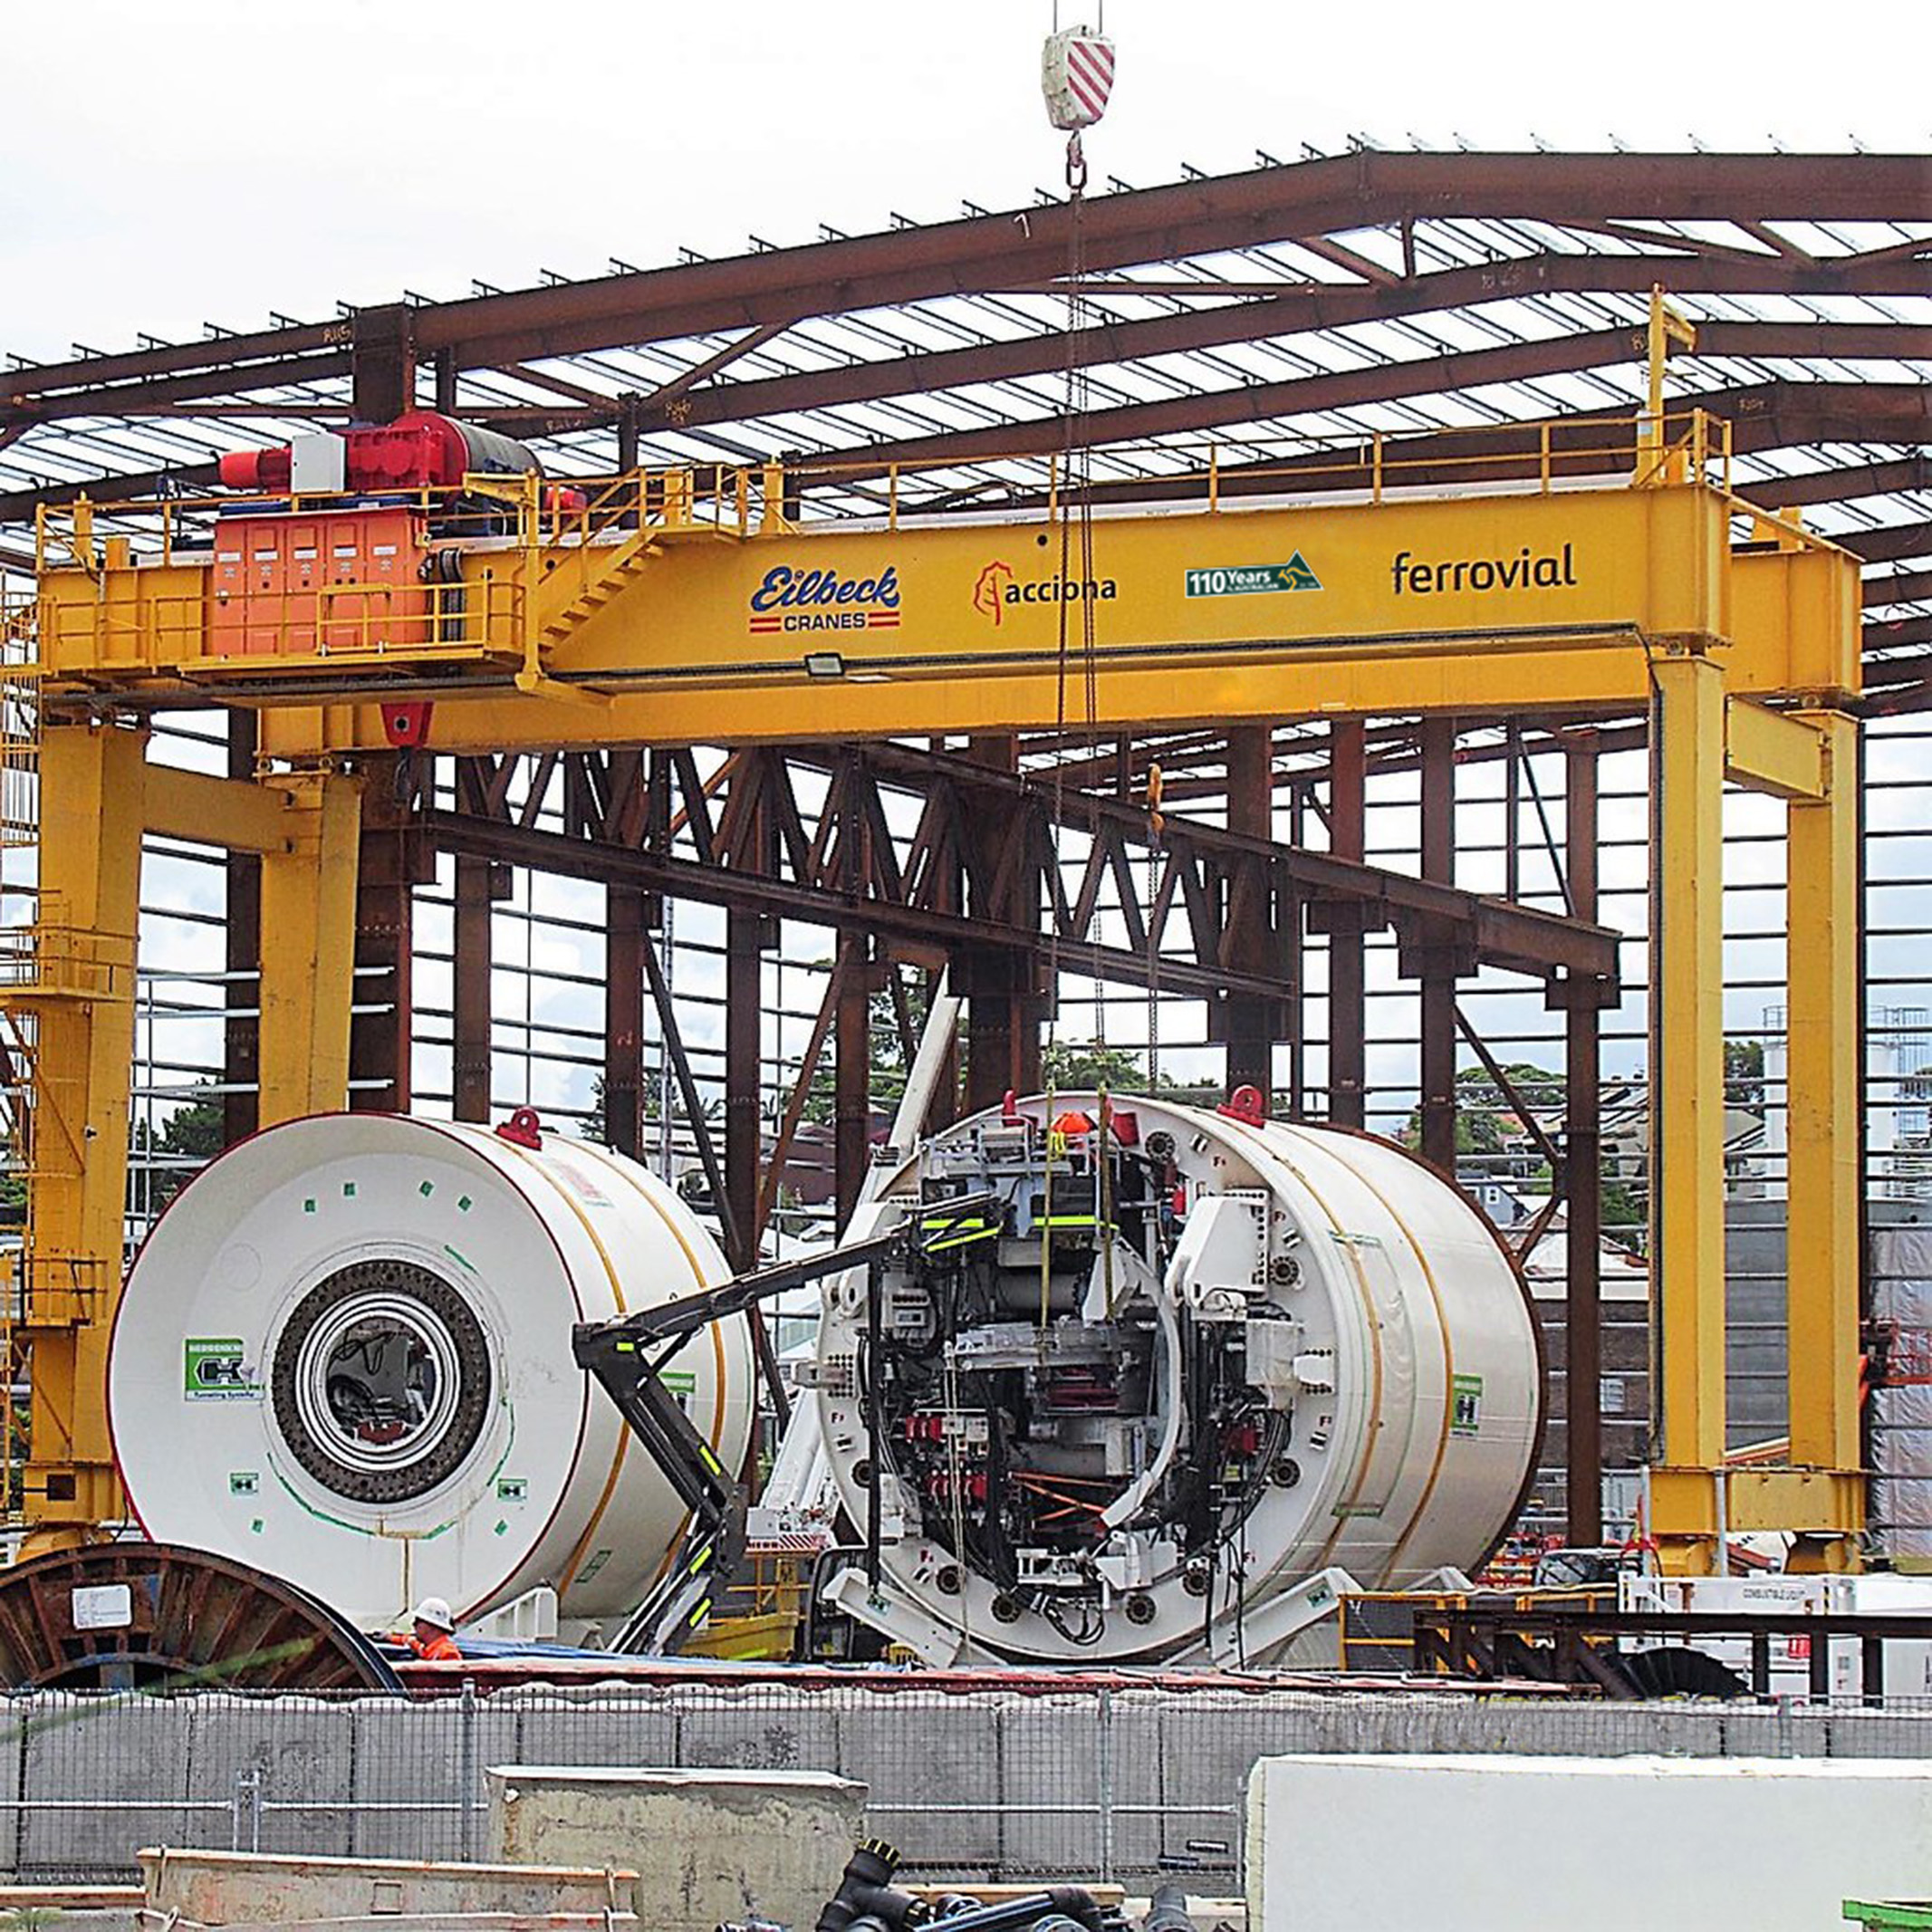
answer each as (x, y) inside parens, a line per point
(1159, 1367)
(343, 1356)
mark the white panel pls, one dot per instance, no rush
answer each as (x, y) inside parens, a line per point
(1483, 1843)
(318, 463)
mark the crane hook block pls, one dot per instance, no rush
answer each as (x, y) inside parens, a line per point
(1076, 75)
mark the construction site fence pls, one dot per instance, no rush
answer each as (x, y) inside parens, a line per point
(1128, 1785)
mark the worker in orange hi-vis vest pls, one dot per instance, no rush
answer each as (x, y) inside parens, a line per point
(430, 1638)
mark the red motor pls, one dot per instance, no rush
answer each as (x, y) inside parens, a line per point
(418, 451)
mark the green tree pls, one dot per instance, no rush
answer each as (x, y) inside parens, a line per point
(1070, 1066)
(595, 1126)
(887, 1065)
(1743, 1074)
(1483, 1109)
(1622, 1218)
(192, 1135)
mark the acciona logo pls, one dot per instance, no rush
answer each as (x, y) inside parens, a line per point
(999, 587)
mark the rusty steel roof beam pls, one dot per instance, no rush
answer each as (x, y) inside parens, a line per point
(17, 506)
(1307, 200)
(1289, 308)
(1902, 587)
(171, 392)
(1384, 382)
(1764, 415)
(1048, 352)
(1312, 198)
(263, 348)
(1888, 544)
(1841, 483)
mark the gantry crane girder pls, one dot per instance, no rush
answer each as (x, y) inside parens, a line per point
(694, 607)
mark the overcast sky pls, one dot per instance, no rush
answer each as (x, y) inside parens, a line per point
(166, 165)
(162, 166)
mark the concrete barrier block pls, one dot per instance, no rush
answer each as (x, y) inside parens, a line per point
(1207, 1747)
(1050, 1767)
(407, 1784)
(624, 1727)
(102, 1778)
(708, 1845)
(1881, 1734)
(1577, 1726)
(1757, 1732)
(1061, 1759)
(298, 1751)
(1618, 1730)
(932, 1764)
(217, 1889)
(759, 1730)
(1419, 1723)
(15, 1713)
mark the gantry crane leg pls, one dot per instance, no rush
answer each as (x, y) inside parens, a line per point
(78, 1010)
(1824, 1117)
(75, 1017)
(1687, 1099)
(308, 948)
(1808, 758)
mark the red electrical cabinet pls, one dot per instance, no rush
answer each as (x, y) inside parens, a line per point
(293, 586)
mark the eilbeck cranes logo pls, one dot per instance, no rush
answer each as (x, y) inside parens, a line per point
(821, 600)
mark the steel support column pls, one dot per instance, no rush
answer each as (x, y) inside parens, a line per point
(626, 935)
(1583, 1176)
(1347, 1024)
(1686, 1102)
(1823, 1134)
(383, 361)
(1246, 1022)
(471, 975)
(242, 930)
(851, 1073)
(381, 1035)
(744, 936)
(1438, 971)
(1003, 1003)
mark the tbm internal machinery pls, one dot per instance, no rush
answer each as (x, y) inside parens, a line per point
(1142, 1375)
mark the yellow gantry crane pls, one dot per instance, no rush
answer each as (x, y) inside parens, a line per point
(689, 606)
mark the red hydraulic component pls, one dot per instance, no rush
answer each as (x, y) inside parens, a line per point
(973, 1487)
(524, 1128)
(406, 725)
(420, 450)
(1246, 1105)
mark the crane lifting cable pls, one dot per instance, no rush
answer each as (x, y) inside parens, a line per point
(1076, 78)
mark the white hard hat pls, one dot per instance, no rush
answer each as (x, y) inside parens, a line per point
(433, 1609)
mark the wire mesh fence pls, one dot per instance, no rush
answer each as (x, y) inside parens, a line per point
(993, 1785)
